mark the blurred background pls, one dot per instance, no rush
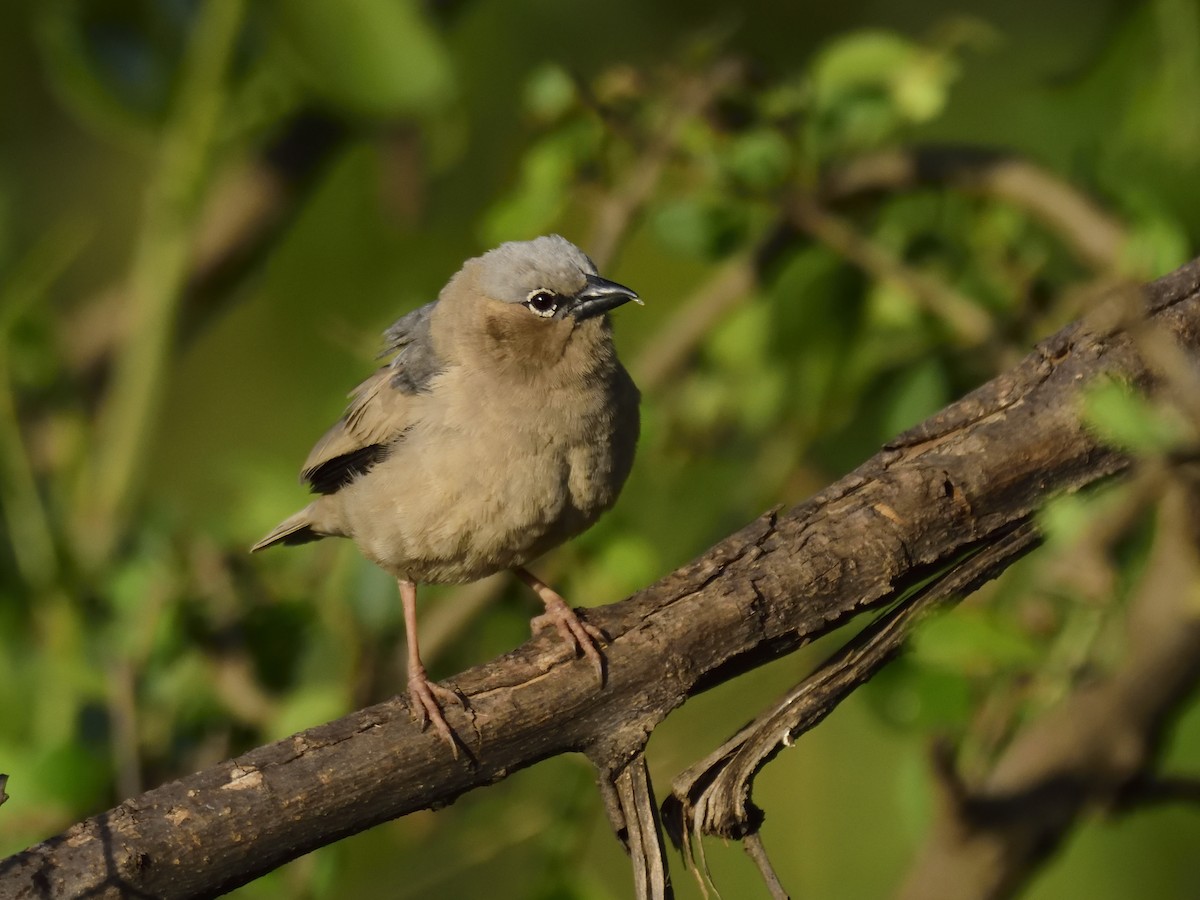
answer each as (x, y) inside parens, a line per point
(841, 217)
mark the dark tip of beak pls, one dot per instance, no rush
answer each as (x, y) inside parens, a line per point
(599, 296)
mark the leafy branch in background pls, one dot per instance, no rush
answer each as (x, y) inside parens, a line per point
(823, 269)
(160, 265)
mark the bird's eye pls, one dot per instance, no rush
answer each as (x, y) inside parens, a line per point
(542, 302)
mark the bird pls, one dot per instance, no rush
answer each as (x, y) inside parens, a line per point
(503, 425)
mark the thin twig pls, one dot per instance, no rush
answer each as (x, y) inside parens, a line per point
(692, 321)
(26, 517)
(1097, 237)
(160, 268)
(756, 851)
(969, 325)
(620, 206)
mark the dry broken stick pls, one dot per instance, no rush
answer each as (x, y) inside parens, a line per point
(966, 477)
(629, 801)
(713, 797)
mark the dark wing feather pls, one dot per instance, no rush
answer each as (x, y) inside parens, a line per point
(411, 339)
(331, 476)
(380, 408)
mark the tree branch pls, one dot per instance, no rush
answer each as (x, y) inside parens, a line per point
(1094, 750)
(966, 477)
(1095, 236)
(713, 797)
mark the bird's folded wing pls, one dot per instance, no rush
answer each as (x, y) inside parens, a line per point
(411, 339)
(377, 417)
(381, 408)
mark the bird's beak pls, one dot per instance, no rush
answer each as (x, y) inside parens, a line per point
(599, 296)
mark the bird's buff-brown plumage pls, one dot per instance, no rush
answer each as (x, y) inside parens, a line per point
(504, 425)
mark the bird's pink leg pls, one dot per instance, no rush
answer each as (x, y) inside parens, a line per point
(423, 694)
(581, 636)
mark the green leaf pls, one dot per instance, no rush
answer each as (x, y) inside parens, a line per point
(702, 227)
(922, 88)
(891, 305)
(1131, 422)
(623, 564)
(861, 59)
(759, 159)
(869, 84)
(814, 325)
(916, 78)
(540, 195)
(1157, 243)
(910, 696)
(308, 706)
(917, 392)
(549, 92)
(786, 100)
(70, 64)
(972, 642)
(741, 343)
(71, 774)
(374, 57)
(702, 400)
(1068, 516)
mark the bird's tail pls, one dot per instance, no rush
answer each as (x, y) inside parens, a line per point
(297, 529)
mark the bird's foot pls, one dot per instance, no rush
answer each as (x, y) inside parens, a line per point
(579, 635)
(425, 699)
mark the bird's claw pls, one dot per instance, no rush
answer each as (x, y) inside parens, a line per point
(425, 699)
(581, 637)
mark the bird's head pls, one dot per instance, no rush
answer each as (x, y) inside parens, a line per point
(535, 303)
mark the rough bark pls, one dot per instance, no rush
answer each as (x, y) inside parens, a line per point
(961, 481)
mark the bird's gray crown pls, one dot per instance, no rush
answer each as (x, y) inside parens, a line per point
(551, 262)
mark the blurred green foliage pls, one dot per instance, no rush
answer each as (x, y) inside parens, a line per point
(208, 212)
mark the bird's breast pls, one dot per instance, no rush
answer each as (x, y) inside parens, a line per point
(489, 478)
